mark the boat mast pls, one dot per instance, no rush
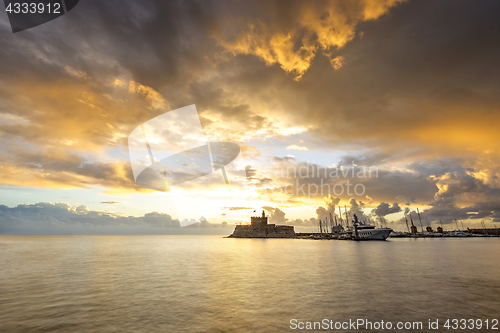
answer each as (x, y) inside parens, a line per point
(413, 228)
(340, 216)
(346, 215)
(484, 226)
(420, 219)
(407, 227)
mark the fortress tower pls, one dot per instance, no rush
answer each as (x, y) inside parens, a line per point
(259, 220)
(259, 228)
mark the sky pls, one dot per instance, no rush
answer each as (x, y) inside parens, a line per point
(379, 108)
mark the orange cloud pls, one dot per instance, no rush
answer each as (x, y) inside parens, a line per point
(323, 26)
(77, 114)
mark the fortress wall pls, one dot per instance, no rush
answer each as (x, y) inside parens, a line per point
(267, 231)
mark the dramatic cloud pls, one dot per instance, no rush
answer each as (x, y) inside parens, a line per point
(289, 178)
(408, 87)
(408, 201)
(385, 209)
(294, 39)
(277, 215)
(331, 204)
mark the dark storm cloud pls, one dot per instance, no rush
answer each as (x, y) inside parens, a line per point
(462, 195)
(384, 209)
(155, 40)
(408, 201)
(462, 183)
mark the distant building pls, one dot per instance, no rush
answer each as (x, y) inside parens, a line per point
(259, 228)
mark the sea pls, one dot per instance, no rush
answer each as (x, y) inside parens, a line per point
(184, 283)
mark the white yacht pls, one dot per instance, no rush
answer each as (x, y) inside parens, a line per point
(458, 233)
(367, 232)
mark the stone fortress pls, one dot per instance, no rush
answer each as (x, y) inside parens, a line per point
(259, 228)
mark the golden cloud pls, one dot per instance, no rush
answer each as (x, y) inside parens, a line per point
(319, 26)
(151, 95)
(77, 114)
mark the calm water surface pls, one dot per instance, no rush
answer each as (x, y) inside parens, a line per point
(214, 284)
